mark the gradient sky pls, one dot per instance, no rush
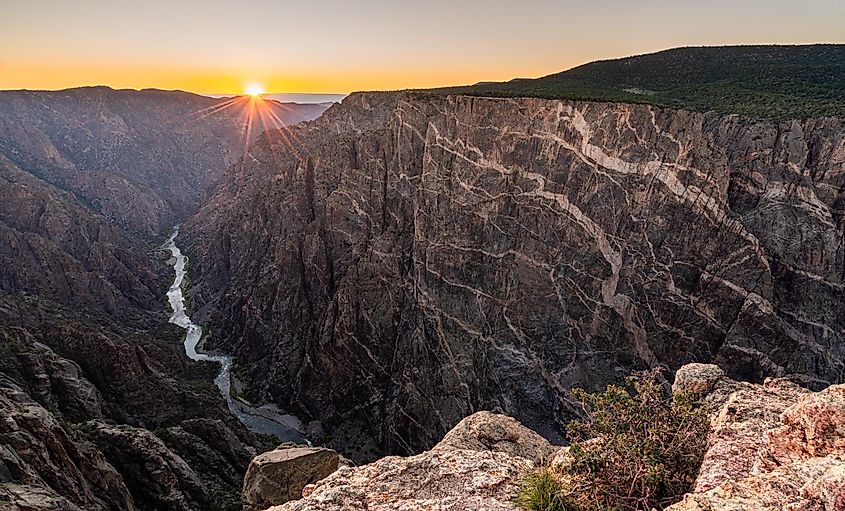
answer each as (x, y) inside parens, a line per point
(215, 46)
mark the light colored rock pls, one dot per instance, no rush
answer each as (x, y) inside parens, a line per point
(815, 426)
(698, 378)
(773, 447)
(487, 431)
(477, 465)
(826, 493)
(707, 381)
(779, 490)
(278, 476)
(737, 444)
(435, 480)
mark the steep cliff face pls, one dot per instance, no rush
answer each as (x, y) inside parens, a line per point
(415, 258)
(144, 159)
(53, 246)
(100, 407)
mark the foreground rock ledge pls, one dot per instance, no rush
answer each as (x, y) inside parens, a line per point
(476, 466)
(772, 447)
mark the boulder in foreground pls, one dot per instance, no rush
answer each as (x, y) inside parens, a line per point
(278, 476)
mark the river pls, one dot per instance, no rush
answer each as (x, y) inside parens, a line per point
(265, 419)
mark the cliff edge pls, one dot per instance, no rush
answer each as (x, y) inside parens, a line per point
(773, 446)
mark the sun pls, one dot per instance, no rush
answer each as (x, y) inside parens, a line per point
(254, 90)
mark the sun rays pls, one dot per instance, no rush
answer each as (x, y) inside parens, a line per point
(259, 117)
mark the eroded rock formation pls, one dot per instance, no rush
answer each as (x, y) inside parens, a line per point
(278, 476)
(477, 466)
(773, 446)
(144, 159)
(414, 258)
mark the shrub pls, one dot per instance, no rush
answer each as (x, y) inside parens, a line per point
(637, 449)
(541, 491)
(648, 446)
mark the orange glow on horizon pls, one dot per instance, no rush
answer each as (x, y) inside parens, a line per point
(327, 48)
(37, 75)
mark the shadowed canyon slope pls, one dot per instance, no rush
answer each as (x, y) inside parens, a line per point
(100, 407)
(144, 159)
(420, 257)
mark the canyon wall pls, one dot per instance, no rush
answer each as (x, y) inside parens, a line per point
(408, 259)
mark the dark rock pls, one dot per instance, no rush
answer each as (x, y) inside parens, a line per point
(143, 159)
(417, 258)
(37, 451)
(279, 476)
(158, 478)
(217, 455)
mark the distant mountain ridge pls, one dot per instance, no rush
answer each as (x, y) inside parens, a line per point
(778, 82)
(144, 159)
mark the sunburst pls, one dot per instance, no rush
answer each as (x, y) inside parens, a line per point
(254, 90)
(249, 107)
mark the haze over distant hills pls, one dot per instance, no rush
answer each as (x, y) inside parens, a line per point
(142, 158)
(294, 97)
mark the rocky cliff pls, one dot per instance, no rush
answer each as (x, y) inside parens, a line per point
(52, 245)
(97, 414)
(408, 259)
(772, 447)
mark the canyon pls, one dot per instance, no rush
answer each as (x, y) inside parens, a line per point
(420, 278)
(417, 257)
(100, 407)
(143, 159)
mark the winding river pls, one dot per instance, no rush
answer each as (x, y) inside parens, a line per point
(265, 419)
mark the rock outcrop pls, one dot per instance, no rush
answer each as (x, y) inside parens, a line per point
(65, 384)
(414, 258)
(773, 446)
(43, 465)
(477, 466)
(486, 431)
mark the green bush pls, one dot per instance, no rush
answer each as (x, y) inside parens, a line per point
(637, 449)
(541, 491)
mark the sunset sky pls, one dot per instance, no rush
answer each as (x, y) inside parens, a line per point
(334, 46)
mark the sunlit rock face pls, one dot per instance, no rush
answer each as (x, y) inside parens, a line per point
(772, 447)
(417, 258)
